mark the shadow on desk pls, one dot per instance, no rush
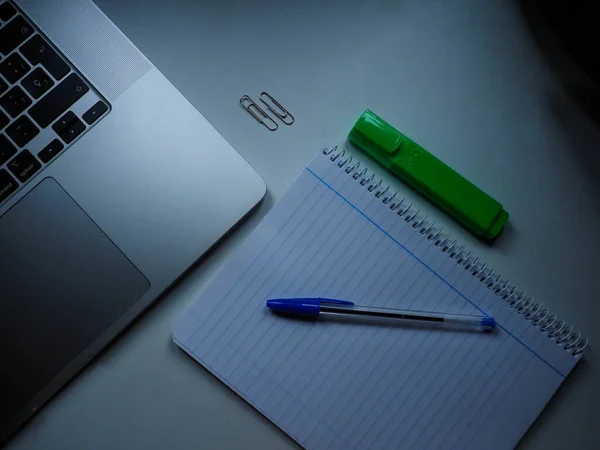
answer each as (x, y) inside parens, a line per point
(581, 371)
(566, 34)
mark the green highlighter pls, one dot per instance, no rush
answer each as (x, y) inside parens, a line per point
(428, 175)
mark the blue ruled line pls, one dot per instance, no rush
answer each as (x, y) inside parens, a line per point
(429, 268)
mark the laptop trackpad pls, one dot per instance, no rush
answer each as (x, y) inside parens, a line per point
(62, 283)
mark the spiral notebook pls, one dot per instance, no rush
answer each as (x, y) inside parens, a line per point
(337, 233)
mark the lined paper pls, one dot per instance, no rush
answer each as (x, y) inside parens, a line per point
(344, 385)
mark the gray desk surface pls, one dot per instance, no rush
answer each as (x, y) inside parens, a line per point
(470, 80)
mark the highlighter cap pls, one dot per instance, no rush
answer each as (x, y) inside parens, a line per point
(377, 132)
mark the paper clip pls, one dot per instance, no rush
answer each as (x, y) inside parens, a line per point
(249, 105)
(283, 113)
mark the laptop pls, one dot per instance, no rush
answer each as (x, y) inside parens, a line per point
(111, 185)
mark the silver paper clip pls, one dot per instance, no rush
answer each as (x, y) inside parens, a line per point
(284, 115)
(258, 113)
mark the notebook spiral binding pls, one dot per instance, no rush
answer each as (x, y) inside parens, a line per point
(572, 341)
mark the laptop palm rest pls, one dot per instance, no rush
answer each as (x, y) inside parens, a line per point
(62, 283)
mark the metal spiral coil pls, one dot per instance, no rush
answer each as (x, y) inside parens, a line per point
(532, 310)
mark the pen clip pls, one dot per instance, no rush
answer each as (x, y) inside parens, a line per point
(334, 301)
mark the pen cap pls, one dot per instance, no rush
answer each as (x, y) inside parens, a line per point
(414, 165)
(300, 306)
(303, 306)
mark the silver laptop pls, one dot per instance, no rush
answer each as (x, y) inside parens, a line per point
(111, 185)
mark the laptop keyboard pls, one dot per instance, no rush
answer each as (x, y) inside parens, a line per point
(43, 100)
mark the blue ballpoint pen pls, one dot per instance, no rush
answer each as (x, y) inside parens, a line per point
(332, 308)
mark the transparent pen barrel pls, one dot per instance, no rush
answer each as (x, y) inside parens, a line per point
(408, 318)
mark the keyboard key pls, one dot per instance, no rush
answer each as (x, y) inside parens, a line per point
(58, 100)
(94, 112)
(14, 34)
(24, 166)
(7, 150)
(37, 83)
(8, 185)
(3, 86)
(64, 122)
(6, 11)
(15, 101)
(38, 51)
(51, 150)
(22, 130)
(14, 68)
(68, 127)
(3, 120)
(72, 131)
